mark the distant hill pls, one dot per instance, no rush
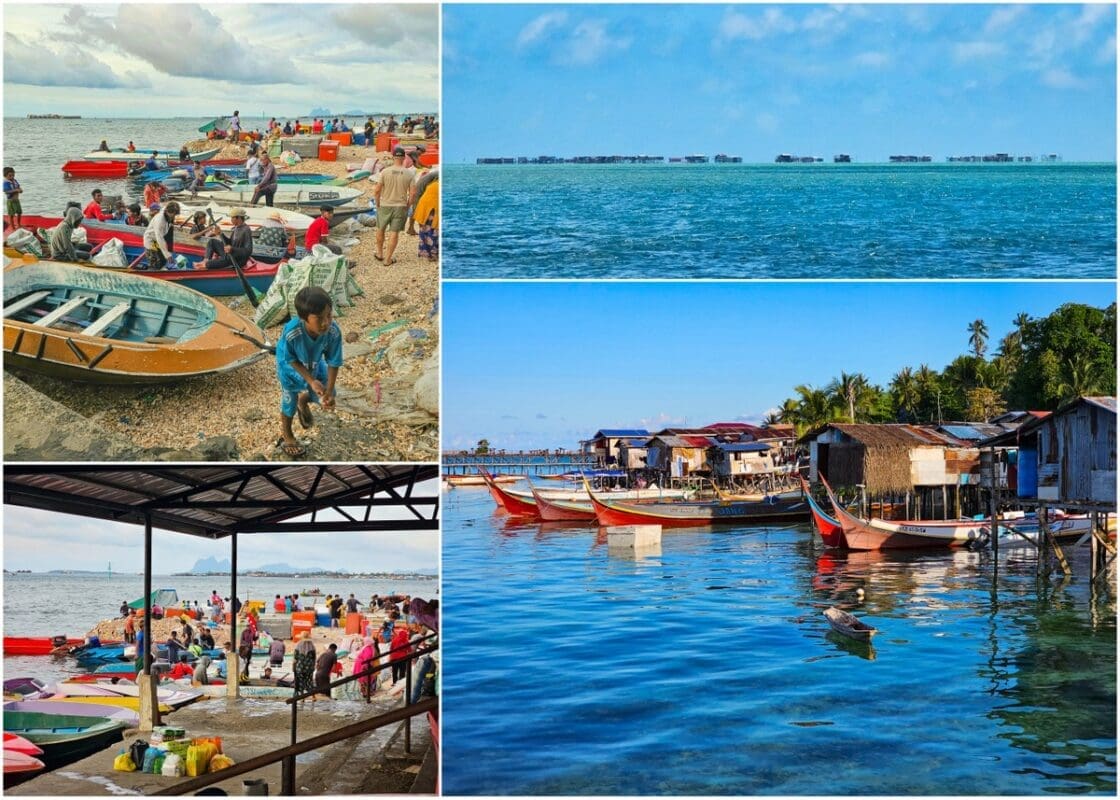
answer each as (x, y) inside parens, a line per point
(289, 569)
(208, 566)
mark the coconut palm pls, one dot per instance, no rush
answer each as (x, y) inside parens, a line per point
(850, 390)
(978, 337)
(907, 394)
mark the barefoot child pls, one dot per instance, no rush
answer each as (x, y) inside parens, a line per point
(12, 191)
(309, 352)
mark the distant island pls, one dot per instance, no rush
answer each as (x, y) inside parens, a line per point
(214, 566)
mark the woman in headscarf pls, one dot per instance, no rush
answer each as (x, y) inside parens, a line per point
(323, 669)
(427, 215)
(365, 659)
(303, 662)
(62, 245)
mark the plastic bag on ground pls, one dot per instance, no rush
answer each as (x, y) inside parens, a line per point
(124, 763)
(220, 762)
(172, 766)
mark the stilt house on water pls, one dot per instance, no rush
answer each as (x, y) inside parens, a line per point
(923, 471)
(605, 443)
(1066, 459)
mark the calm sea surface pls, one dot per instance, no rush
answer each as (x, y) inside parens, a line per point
(707, 668)
(780, 221)
(71, 605)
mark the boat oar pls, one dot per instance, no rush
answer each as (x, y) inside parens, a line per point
(250, 295)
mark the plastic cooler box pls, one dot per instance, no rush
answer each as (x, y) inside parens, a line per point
(354, 623)
(328, 151)
(342, 137)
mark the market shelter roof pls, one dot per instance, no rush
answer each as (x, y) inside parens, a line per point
(218, 501)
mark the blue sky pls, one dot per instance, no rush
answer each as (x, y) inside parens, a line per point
(186, 59)
(532, 365)
(757, 80)
(90, 544)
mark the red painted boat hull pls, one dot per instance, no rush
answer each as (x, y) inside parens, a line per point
(859, 535)
(96, 169)
(832, 533)
(35, 645)
(678, 515)
(18, 744)
(553, 512)
(510, 502)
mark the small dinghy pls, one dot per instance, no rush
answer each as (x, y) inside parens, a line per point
(102, 326)
(19, 767)
(128, 716)
(62, 737)
(144, 155)
(18, 744)
(36, 645)
(296, 196)
(846, 624)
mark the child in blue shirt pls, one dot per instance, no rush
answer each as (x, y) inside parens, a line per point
(308, 356)
(12, 191)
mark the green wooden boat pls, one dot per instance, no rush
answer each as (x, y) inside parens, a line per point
(63, 737)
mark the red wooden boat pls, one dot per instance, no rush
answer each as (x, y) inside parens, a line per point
(213, 282)
(37, 645)
(878, 534)
(685, 513)
(519, 506)
(563, 510)
(79, 168)
(17, 764)
(832, 534)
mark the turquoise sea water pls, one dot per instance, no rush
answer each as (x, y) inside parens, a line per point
(707, 668)
(780, 221)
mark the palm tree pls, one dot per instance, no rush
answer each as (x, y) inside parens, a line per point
(815, 406)
(849, 390)
(1078, 378)
(906, 391)
(773, 418)
(978, 337)
(929, 389)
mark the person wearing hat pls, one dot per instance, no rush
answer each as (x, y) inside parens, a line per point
(223, 251)
(159, 236)
(392, 192)
(268, 183)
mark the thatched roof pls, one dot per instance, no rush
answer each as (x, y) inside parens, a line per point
(878, 455)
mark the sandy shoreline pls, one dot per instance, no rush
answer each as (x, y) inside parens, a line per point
(377, 417)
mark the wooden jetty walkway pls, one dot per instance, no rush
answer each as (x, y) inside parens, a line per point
(537, 462)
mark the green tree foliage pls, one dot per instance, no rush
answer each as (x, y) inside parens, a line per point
(483, 447)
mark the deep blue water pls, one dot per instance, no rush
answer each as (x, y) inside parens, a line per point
(707, 668)
(780, 221)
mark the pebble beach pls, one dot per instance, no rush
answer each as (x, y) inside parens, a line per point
(381, 412)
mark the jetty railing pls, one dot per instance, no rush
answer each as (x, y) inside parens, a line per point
(537, 461)
(287, 755)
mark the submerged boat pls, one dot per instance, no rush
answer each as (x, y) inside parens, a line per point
(43, 706)
(62, 737)
(37, 645)
(105, 326)
(849, 625)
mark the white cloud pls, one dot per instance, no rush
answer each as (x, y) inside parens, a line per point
(538, 28)
(1107, 51)
(979, 49)
(736, 25)
(1002, 17)
(1061, 78)
(662, 420)
(40, 64)
(766, 122)
(872, 58)
(1092, 15)
(590, 42)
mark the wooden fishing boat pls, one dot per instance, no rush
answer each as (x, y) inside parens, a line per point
(64, 738)
(832, 534)
(173, 698)
(60, 706)
(691, 513)
(37, 645)
(848, 625)
(80, 168)
(256, 216)
(144, 155)
(17, 744)
(478, 480)
(106, 326)
(213, 282)
(302, 197)
(563, 510)
(24, 688)
(117, 701)
(511, 503)
(879, 534)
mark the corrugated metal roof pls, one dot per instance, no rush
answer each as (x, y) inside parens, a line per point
(974, 431)
(615, 432)
(1107, 403)
(638, 442)
(749, 447)
(218, 501)
(699, 441)
(681, 441)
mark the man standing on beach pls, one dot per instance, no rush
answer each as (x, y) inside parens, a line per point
(391, 191)
(268, 182)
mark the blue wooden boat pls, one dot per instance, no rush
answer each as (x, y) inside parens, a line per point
(64, 738)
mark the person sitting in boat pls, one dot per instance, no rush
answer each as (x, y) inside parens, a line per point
(184, 154)
(159, 236)
(201, 229)
(120, 211)
(308, 357)
(103, 147)
(287, 128)
(136, 216)
(93, 207)
(198, 179)
(268, 184)
(131, 146)
(63, 247)
(224, 252)
(318, 230)
(199, 677)
(151, 163)
(154, 192)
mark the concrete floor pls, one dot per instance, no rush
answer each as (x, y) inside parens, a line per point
(372, 764)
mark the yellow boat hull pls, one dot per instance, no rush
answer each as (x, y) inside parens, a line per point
(119, 702)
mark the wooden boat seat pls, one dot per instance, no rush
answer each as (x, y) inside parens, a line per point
(108, 318)
(25, 302)
(64, 309)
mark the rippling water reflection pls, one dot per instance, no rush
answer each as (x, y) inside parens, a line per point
(707, 668)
